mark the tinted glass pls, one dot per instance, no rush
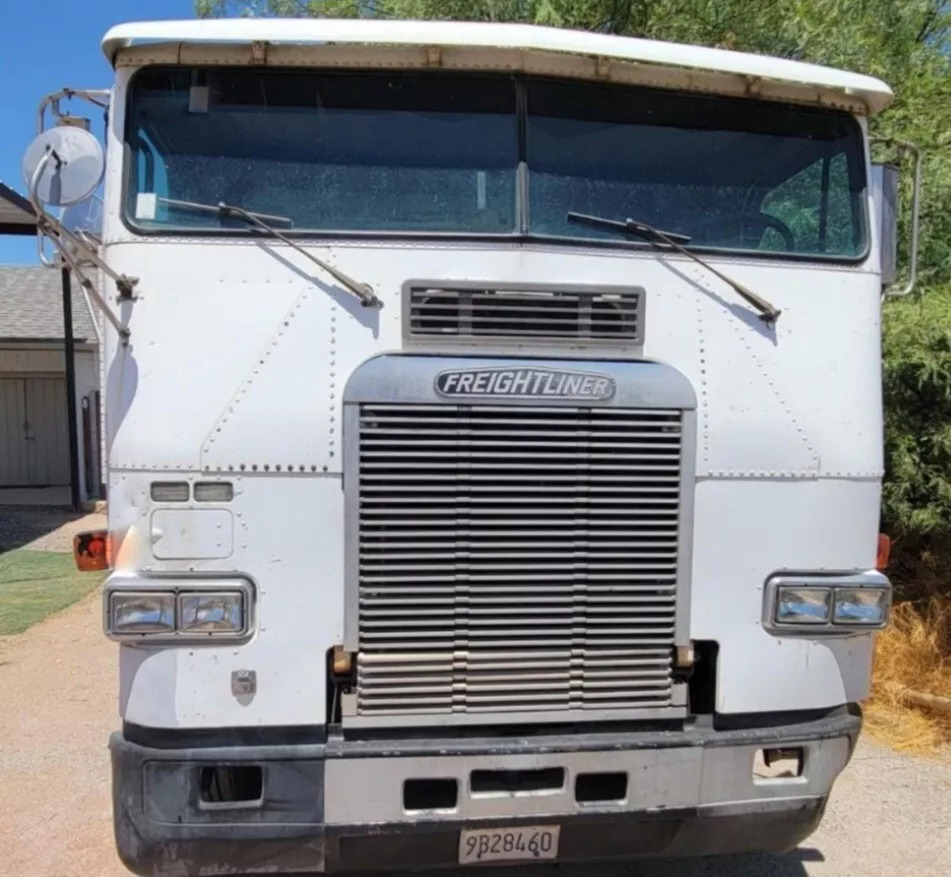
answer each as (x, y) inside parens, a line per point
(438, 152)
(330, 151)
(729, 173)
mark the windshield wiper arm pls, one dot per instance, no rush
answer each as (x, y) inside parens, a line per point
(224, 210)
(629, 226)
(264, 222)
(768, 312)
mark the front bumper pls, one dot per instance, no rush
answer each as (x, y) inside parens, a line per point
(339, 805)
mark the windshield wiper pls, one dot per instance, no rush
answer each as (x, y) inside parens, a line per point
(768, 312)
(265, 221)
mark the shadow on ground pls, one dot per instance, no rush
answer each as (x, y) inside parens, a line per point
(790, 865)
(20, 525)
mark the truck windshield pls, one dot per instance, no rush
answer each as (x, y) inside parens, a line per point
(466, 154)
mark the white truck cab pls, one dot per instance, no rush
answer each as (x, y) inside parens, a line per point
(494, 432)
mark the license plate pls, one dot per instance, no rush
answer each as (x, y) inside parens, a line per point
(531, 842)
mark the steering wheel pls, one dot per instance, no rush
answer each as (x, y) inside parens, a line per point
(746, 224)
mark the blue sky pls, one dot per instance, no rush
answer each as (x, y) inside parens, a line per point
(47, 45)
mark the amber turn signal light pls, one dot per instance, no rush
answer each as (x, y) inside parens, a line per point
(89, 550)
(884, 553)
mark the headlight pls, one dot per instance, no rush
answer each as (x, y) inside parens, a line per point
(825, 603)
(168, 609)
(803, 605)
(861, 606)
(142, 612)
(212, 612)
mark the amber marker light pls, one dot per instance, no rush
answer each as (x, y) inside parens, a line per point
(90, 550)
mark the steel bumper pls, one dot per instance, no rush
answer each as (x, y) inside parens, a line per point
(338, 805)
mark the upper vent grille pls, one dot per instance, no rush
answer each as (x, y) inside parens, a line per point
(477, 312)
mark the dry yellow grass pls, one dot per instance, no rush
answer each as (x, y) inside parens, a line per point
(914, 653)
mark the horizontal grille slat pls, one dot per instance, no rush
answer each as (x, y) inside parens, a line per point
(610, 503)
(489, 547)
(488, 481)
(517, 577)
(516, 602)
(439, 413)
(483, 312)
(516, 558)
(505, 428)
(514, 595)
(477, 555)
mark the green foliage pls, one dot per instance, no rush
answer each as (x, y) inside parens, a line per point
(916, 496)
(917, 385)
(908, 44)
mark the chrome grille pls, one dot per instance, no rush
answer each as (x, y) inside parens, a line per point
(516, 558)
(525, 314)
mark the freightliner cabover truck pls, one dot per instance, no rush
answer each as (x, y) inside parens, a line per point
(494, 434)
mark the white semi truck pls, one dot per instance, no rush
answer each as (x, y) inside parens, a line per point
(494, 431)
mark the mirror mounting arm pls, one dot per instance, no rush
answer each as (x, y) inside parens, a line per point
(99, 97)
(60, 235)
(122, 331)
(903, 148)
(124, 283)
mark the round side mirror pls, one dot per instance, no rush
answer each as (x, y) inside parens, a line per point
(63, 166)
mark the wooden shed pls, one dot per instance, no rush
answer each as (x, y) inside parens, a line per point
(34, 437)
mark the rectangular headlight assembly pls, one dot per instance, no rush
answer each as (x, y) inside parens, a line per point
(826, 603)
(151, 610)
(214, 612)
(803, 605)
(862, 607)
(142, 612)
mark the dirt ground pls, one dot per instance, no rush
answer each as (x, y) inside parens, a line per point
(59, 693)
(888, 814)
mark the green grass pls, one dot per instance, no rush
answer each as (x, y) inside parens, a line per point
(35, 584)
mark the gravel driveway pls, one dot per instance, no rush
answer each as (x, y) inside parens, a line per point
(889, 815)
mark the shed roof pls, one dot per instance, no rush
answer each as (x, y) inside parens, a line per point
(31, 306)
(16, 213)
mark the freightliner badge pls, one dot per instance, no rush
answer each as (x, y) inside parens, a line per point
(525, 383)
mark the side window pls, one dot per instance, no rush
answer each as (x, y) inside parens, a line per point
(815, 204)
